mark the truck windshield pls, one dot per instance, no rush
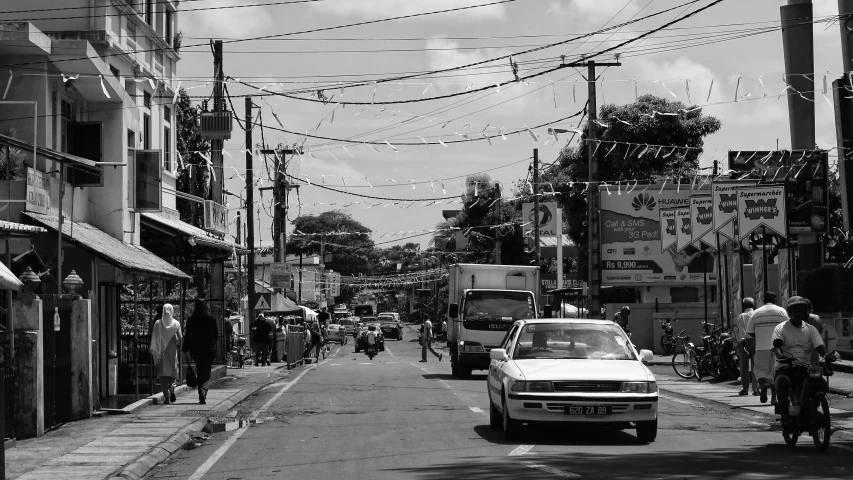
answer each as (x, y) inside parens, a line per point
(502, 306)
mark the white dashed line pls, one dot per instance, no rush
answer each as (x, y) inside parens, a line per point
(549, 469)
(367, 363)
(521, 450)
(476, 409)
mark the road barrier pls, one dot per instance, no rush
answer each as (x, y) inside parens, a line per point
(295, 349)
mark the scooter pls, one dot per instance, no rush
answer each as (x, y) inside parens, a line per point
(815, 419)
(371, 351)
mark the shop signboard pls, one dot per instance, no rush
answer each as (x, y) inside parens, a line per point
(38, 192)
(635, 247)
(761, 208)
(548, 282)
(279, 276)
(805, 175)
(549, 219)
(215, 217)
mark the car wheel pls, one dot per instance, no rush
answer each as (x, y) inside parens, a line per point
(511, 427)
(647, 431)
(454, 369)
(464, 372)
(495, 419)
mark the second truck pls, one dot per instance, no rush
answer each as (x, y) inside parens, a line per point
(484, 301)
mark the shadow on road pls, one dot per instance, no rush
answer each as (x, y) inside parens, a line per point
(565, 434)
(447, 376)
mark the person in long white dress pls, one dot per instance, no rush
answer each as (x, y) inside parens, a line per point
(165, 341)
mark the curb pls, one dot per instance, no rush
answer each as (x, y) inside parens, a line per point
(142, 465)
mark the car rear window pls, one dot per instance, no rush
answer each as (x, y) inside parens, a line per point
(346, 322)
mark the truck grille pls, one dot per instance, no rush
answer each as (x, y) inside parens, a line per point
(585, 386)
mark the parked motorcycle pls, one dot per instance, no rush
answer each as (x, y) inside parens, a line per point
(720, 359)
(814, 419)
(667, 340)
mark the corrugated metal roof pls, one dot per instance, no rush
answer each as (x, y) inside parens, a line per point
(118, 253)
(199, 235)
(19, 227)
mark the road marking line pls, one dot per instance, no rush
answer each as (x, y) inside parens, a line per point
(553, 471)
(210, 462)
(521, 450)
(367, 363)
(476, 409)
(389, 351)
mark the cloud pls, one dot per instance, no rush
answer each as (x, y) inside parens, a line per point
(594, 11)
(228, 22)
(392, 8)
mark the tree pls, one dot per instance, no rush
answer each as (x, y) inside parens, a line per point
(839, 243)
(648, 121)
(349, 260)
(12, 158)
(193, 175)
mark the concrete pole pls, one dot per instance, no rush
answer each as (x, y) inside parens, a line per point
(843, 115)
(250, 201)
(593, 234)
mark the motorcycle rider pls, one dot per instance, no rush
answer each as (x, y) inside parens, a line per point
(800, 340)
(371, 338)
(621, 318)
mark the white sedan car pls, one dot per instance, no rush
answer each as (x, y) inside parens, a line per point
(571, 370)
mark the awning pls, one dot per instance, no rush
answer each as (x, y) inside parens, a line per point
(12, 229)
(551, 241)
(8, 280)
(126, 257)
(50, 154)
(200, 236)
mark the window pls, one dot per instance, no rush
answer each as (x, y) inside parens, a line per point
(114, 71)
(167, 31)
(167, 114)
(54, 114)
(131, 139)
(146, 99)
(149, 12)
(167, 149)
(146, 132)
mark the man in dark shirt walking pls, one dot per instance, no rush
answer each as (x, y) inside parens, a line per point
(200, 340)
(261, 330)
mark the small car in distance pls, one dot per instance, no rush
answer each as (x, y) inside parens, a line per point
(393, 317)
(336, 333)
(361, 341)
(571, 370)
(391, 330)
(348, 324)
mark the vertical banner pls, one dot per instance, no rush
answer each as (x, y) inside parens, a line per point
(685, 233)
(784, 276)
(668, 233)
(762, 207)
(701, 229)
(758, 277)
(735, 279)
(724, 199)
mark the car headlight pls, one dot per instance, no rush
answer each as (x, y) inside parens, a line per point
(639, 387)
(472, 347)
(522, 386)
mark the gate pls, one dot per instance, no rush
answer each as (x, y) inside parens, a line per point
(57, 360)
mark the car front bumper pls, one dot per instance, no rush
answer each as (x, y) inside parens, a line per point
(550, 407)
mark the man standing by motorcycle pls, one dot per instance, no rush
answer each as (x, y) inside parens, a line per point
(759, 343)
(800, 341)
(740, 335)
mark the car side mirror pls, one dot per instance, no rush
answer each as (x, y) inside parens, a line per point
(778, 343)
(498, 354)
(453, 310)
(646, 355)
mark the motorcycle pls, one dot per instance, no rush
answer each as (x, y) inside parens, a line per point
(720, 359)
(371, 351)
(815, 419)
(667, 340)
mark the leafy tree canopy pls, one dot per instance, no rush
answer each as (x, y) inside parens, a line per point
(345, 261)
(191, 178)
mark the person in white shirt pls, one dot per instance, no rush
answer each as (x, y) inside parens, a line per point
(800, 340)
(759, 343)
(426, 338)
(741, 324)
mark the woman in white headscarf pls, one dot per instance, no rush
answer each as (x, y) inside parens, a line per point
(165, 341)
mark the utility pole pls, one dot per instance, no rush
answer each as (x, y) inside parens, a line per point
(281, 186)
(593, 196)
(240, 264)
(217, 144)
(536, 207)
(499, 218)
(250, 220)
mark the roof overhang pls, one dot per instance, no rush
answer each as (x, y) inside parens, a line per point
(23, 39)
(79, 56)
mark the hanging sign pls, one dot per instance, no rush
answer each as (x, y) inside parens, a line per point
(279, 276)
(215, 217)
(549, 219)
(668, 235)
(761, 207)
(263, 302)
(758, 277)
(784, 276)
(724, 197)
(685, 230)
(700, 218)
(38, 192)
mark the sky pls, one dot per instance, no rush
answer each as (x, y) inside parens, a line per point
(714, 55)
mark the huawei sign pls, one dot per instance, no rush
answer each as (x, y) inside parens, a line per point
(643, 200)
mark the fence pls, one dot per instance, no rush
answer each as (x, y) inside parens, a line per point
(295, 350)
(8, 372)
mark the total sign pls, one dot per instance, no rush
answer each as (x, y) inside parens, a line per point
(633, 249)
(549, 219)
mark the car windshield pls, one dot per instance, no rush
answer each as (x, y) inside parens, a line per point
(573, 341)
(500, 305)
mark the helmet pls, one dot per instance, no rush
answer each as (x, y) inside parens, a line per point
(626, 310)
(796, 300)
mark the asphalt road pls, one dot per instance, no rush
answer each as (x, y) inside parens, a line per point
(397, 418)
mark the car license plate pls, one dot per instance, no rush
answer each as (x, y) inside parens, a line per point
(588, 410)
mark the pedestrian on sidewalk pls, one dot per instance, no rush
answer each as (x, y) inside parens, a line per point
(165, 338)
(261, 331)
(760, 343)
(200, 345)
(427, 336)
(746, 361)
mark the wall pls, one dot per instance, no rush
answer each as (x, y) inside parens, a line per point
(30, 13)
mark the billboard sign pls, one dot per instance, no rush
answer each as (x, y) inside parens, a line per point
(38, 192)
(633, 251)
(550, 221)
(724, 196)
(761, 207)
(805, 174)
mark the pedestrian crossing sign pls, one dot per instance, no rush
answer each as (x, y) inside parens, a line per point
(263, 302)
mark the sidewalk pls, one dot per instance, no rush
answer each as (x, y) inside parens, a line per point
(127, 446)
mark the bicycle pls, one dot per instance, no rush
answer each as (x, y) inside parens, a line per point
(667, 341)
(685, 362)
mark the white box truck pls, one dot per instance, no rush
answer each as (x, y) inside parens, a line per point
(484, 301)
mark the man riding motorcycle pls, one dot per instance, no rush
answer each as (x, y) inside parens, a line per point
(371, 338)
(800, 341)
